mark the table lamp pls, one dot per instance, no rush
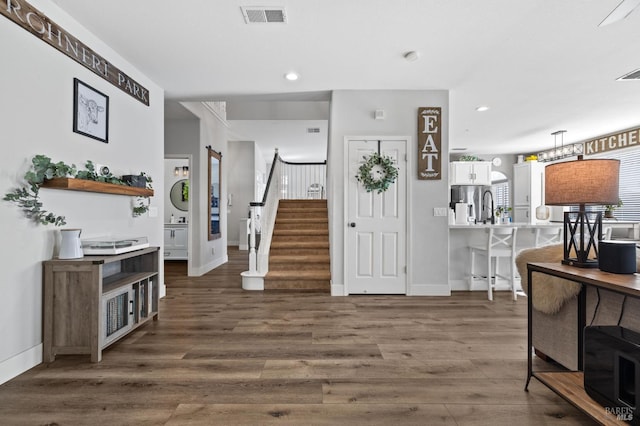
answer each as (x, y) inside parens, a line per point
(580, 183)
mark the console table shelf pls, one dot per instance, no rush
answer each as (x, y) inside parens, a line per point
(570, 384)
(73, 184)
(91, 302)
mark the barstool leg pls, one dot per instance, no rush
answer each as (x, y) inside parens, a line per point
(513, 280)
(473, 268)
(490, 287)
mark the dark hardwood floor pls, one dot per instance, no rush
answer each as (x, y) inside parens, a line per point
(223, 356)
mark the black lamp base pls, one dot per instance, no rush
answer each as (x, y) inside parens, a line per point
(590, 263)
(581, 236)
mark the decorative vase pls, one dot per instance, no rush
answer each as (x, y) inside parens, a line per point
(542, 212)
(70, 246)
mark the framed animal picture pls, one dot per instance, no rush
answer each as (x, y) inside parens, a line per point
(90, 111)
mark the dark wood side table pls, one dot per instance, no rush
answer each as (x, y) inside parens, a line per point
(570, 384)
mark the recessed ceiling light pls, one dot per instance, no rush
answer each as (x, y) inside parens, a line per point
(291, 76)
(412, 56)
(482, 108)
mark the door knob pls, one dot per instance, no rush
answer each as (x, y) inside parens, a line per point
(352, 224)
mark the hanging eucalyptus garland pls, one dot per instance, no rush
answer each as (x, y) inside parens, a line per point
(377, 173)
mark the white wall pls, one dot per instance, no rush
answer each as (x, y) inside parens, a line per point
(352, 115)
(240, 173)
(206, 255)
(36, 106)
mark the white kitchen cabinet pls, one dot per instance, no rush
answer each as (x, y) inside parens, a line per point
(470, 173)
(175, 242)
(527, 190)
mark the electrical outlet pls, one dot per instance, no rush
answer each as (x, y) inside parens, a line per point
(440, 211)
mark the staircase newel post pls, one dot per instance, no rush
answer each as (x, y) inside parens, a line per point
(253, 263)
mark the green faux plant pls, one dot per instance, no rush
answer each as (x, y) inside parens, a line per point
(612, 207)
(27, 198)
(185, 191)
(42, 168)
(377, 173)
(500, 210)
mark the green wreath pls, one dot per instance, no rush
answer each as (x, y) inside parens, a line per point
(377, 173)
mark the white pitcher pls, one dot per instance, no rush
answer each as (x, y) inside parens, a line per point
(71, 246)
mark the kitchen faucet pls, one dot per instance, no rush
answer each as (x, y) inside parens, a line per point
(493, 218)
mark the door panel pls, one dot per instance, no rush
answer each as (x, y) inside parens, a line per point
(365, 254)
(376, 246)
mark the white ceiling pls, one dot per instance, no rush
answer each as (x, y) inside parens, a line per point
(541, 65)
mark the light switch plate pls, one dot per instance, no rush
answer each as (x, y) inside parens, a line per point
(439, 211)
(153, 211)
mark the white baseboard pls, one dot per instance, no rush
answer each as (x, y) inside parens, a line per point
(429, 290)
(481, 285)
(338, 290)
(198, 272)
(20, 363)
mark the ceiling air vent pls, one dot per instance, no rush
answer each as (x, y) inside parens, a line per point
(313, 130)
(633, 75)
(264, 15)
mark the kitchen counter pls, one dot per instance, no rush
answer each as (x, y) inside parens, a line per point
(461, 237)
(518, 225)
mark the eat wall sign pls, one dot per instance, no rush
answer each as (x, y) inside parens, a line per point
(429, 143)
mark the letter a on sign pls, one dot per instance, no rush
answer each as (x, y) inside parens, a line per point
(429, 143)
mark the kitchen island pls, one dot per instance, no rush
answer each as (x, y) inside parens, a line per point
(461, 237)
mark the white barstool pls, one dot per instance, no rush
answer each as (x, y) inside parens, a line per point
(547, 236)
(501, 242)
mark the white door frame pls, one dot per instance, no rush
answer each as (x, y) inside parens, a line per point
(408, 169)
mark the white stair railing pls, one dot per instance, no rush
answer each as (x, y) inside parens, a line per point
(286, 181)
(303, 180)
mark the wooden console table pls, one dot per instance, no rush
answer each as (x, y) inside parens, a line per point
(570, 384)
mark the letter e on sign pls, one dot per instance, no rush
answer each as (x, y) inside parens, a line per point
(429, 143)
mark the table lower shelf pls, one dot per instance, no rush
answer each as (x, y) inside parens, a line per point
(570, 386)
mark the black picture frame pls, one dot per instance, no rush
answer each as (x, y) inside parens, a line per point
(90, 112)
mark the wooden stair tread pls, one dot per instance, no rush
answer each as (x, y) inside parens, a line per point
(300, 232)
(300, 244)
(302, 220)
(299, 254)
(299, 275)
(312, 258)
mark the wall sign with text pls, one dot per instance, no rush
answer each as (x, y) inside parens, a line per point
(613, 141)
(429, 143)
(34, 21)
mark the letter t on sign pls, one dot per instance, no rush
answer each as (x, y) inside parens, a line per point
(429, 143)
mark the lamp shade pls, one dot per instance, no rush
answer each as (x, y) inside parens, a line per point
(582, 182)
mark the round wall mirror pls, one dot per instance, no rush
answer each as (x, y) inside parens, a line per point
(179, 195)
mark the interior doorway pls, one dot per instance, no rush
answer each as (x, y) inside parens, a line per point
(376, 240)
(178, 239)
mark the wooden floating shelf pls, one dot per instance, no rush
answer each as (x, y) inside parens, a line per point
(73, 184)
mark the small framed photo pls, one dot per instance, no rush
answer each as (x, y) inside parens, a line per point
(90, 111)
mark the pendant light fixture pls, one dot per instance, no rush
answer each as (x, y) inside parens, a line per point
(543, 212)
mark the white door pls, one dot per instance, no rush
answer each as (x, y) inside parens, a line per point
(376, 224)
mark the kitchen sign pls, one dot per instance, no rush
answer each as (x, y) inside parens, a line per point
(34, 21)
(429, 143)
(613, 141)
